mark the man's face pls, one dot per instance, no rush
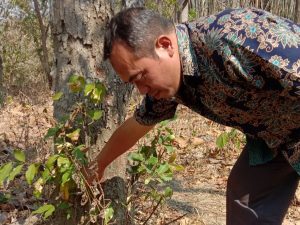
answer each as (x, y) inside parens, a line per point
(158, 77)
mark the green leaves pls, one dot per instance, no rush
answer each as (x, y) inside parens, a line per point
(152, 161)
(46, 175)
(176, 167)
(108, 215)
(50, 162)
(66, 176)
(95, 91)
(163, 168)
(154, 164)
(232, 137)
(51, 132)
(89, 88)
(38, 187)
(98, 93)
(45, 210)
(74, 136)
(164, 172)
(30, 173)
(19, 155)
(59, 169)
(8, 171)
(95, 114)
(57, 96)
(63, 163)
(5, 171)
(79, 155)
(222, 140)
(134, 156)
(192, 14)
(76, 83)
(168, 192)
(16, 171)
(169, 148)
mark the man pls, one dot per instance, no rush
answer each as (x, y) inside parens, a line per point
(240, 68)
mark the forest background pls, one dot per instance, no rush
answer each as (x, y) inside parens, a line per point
(32, 45)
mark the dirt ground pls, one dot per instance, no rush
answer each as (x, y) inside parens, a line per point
(199, 190)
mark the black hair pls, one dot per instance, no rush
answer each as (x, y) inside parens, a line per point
(138, 28)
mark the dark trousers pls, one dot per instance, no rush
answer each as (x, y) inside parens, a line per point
(260, 195)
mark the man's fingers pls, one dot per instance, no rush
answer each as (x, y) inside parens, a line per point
(92, 174)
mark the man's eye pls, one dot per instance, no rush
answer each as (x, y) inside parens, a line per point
(139, 76)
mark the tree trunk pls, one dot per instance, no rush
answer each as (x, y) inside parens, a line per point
(297, 12)
(133, 3)
(44, 56)
(1, 82)
(78, 30)
(183, 13)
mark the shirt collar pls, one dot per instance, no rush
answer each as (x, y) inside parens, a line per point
(187, 55)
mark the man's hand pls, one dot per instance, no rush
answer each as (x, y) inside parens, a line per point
(121, 140)
(92, 174)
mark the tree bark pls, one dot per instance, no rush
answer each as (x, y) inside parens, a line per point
(133, 3)
(183, 13)
(1, 82)
(297, 12)
(78, 30)
(44, 56)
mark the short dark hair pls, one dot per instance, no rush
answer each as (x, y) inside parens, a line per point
(138, 28)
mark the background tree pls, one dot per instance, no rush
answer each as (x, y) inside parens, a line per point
(34, 14)
(133, 3)
(174, 9)
(42, 43)
(1, 82)
(3, 15)
(79, 26)
(22, 53)
(297, 11)
(77, 29)
(183, 11)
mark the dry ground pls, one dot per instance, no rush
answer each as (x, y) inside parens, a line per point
(199, 190)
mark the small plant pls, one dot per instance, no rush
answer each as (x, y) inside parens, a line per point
(153, 165)
(62, 170)
(231, 137)
(192, 14)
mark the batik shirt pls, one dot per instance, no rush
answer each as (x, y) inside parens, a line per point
(240, 68)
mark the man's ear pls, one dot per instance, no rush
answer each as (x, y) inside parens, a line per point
(164, 45)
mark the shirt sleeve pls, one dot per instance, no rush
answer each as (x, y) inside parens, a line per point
(152, 111)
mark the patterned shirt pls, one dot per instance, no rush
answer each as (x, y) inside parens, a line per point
(240, 68)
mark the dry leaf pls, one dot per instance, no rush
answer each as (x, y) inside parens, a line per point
(195, 141)
(182, 143)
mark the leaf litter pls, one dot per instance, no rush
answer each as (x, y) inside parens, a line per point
(199, 190)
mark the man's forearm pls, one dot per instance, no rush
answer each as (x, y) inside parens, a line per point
(122, 140)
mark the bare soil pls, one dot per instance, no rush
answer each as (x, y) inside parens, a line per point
(199, 190)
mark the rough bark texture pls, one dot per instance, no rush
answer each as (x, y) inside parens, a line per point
(183, 13)
(297, 12)
(78, 29)
(1, 82)
(133, 3)
(43, 55)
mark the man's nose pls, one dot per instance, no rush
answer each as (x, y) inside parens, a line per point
(143, 89)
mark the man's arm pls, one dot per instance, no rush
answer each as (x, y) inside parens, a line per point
(121, 140)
